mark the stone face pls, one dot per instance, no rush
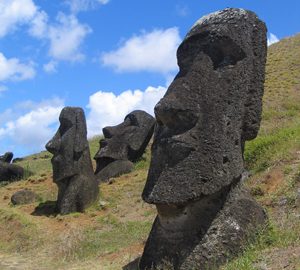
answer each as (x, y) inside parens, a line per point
(10, 172)
(23, 196)
(7, 157)
(124, 142)
(71, 162)
(208, 112)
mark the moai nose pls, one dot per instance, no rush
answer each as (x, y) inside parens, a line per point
(108, 132)
(53, 145)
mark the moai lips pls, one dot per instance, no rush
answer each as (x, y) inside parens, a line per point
(72, 166)
(208, 112)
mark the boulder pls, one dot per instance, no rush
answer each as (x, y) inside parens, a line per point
(23, 196)
(195, 177)
(71, 162)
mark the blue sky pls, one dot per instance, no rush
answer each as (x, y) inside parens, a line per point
(107, 56)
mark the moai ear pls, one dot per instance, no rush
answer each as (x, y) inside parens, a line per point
(80, 143)
(253, 103)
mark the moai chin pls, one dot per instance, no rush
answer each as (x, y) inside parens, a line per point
(208, 112)
(71, 162)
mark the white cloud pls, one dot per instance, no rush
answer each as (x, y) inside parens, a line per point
(50, 67)
(272, 39)
(66, 38)
(33, 128)
(65, 35)
(39, 25)
(154, 51)
(108, 109)
(15, 12)
(12, 69)
(84, 5)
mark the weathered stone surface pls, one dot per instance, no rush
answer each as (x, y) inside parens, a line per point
(115, 169)
(126, 141)
(23, 196)
(208, 112)
(72, 165)
(7, 157)
(10, 172)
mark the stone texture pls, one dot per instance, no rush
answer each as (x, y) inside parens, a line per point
(72, 165)
(115, 169)
(7, 157)
(10, 172)
(208, 112)
(123, 144)
(23, 196)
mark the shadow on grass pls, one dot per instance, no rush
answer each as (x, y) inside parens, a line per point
(47, 209)
(133, 265)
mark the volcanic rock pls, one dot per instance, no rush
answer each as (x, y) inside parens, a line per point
(23, 196)
(71, 162)
(123, 144)
(195, 178)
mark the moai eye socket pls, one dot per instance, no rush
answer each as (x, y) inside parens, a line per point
(65, 125)
(223, 51)
(131, 120)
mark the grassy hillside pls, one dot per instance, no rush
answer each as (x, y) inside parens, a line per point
(113, 231)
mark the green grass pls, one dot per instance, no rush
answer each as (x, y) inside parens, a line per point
(110, 236)
(94, 145)
(18, 232)
(269, 149)
(272, 236)
(36, 164)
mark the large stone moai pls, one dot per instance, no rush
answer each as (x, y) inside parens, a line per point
(195, 178)
(123, 144)
(72, 165)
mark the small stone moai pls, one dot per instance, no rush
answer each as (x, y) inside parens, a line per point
(71, 162)
(10, 172)
(7, 157)
(196, 177)
(123, 144)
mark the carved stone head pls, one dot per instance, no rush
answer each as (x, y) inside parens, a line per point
(71, 162)
(126, 141)
(68, 144)
(209, 110)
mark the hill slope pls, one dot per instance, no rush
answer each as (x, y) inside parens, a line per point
(112, 232)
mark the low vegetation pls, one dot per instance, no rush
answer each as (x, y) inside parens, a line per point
(113, 231)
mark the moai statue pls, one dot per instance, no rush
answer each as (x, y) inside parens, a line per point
(7, 157)
(71, 162)
(123, 144)
(208, 112)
